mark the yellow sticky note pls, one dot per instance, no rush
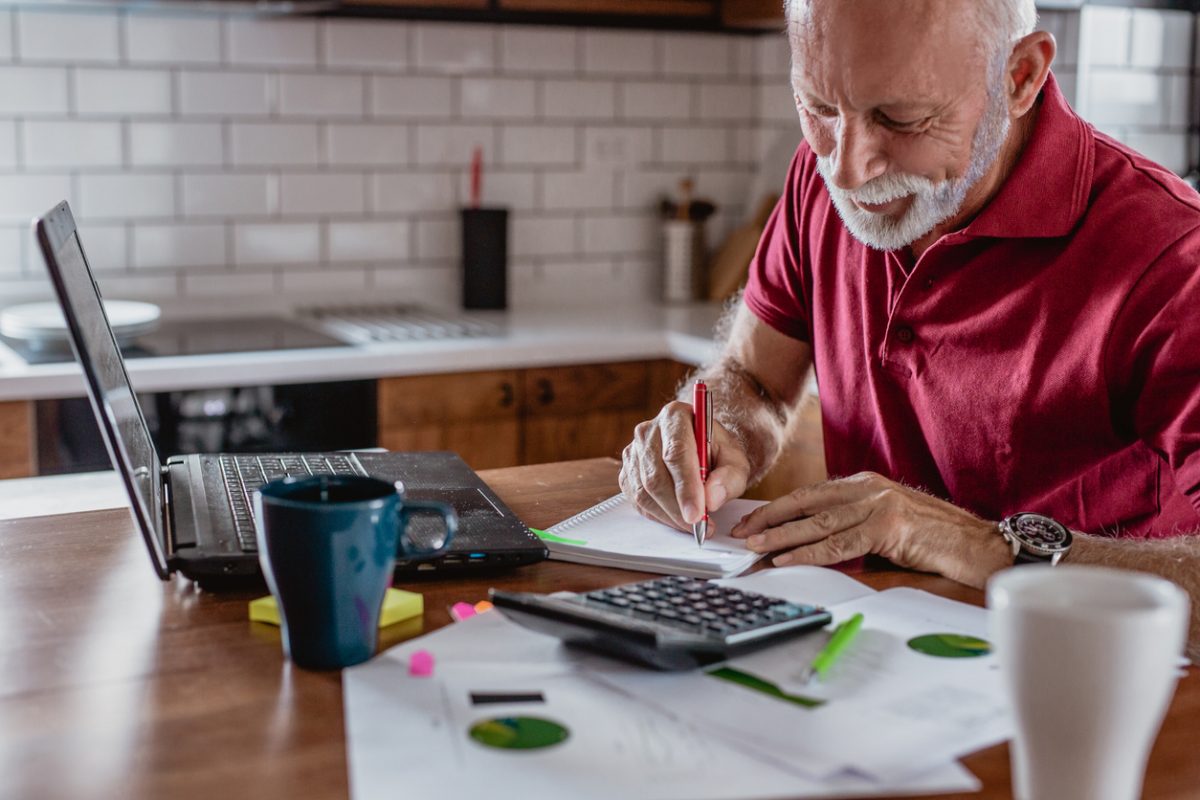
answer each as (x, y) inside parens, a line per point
(398, 605)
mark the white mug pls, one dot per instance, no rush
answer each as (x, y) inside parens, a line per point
(1090, 659)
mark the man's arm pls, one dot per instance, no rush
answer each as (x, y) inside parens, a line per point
(756, 382)
(1177, 559)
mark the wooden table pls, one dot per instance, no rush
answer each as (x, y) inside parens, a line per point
(116, 685)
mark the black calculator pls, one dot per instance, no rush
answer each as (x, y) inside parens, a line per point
(670, 623)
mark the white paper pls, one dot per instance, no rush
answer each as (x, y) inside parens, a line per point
(890, 712)
(804, 585)
(411, 733)
(621, 537)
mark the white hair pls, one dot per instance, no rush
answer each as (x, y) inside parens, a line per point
(1004, 21)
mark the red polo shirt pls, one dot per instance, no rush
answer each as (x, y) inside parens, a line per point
(1044, 358)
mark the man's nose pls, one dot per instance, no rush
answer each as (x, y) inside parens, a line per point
(858, 156)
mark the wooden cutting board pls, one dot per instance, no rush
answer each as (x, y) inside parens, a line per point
(728, 269)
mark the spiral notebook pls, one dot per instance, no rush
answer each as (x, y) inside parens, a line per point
(614, 534)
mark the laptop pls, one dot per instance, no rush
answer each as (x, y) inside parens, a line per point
(195, 511)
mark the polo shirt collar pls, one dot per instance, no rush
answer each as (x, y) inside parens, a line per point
(1047, 192)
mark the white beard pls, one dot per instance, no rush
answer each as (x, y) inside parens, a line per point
(933, 203)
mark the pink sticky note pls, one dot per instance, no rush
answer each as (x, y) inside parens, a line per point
(420, 664)
(461, 611)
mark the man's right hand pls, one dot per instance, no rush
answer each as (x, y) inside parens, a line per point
(660, 470)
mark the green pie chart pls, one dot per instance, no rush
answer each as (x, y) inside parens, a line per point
(950, 645)
(518, 733)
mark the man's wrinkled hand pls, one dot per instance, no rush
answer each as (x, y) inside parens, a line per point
(840, 520)
(660, 469)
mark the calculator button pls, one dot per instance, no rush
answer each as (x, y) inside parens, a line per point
(645, 608)
(708, 616)
(692, 619)
(667, 613)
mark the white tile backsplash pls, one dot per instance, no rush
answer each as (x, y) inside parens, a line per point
(412, 97)
(8, 144)
(368, 145)
(126, 196)
(214, 155)
(497, 98)
(526, 145)
(438, 239)
(66, 144)
(542, 236)
(728, 101)
(539, 50)
(278, 42)
(453, 145)
(579, 100)
(692, 54)
(619, 52)
(579, 190)
(68, 36)
(33, 90)
(23, 197)
(276, 243)
(106, 248)
(411, 192)
(6, 36)
(172, 39)
(352, 44)
(123, 91)
(1161, 39)
(228, 195)
(274, 144)
(322, 96)
(179, 246)
(656, 100)
(225, 93)
(384, 241)
(322, 193)
(455, 49)
(174, 144)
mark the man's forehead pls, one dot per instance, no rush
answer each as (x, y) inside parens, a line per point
(881, 52)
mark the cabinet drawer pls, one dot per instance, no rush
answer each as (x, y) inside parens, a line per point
(439, 399)
(16, 440)
(591, 387)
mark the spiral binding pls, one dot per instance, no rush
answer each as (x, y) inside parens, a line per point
(590, 514)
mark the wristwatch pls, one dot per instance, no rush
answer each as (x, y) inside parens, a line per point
(1035, 539)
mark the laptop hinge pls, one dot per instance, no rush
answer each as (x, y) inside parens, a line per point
(168, 530)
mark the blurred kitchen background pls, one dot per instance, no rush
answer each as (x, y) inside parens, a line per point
(213, 154)
(242, 160)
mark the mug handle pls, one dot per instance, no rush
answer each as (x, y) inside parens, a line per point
(407, 509)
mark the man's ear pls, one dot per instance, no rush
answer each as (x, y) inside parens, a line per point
(1028, 68)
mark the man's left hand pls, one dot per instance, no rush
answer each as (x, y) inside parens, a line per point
(840, 520)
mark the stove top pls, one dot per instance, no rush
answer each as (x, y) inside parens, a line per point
(240, 335)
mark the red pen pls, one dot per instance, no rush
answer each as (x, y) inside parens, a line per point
(702, 417)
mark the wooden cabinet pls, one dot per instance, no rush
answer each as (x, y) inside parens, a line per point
(475, 414)
(753, 14)
(16, 440)
(531, 416)
(663, 8)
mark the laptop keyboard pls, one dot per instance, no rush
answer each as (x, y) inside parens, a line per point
(245, 474)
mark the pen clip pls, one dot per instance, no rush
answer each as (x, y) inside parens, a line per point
(708, 424)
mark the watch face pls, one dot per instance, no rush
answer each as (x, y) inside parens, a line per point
(1040, 534)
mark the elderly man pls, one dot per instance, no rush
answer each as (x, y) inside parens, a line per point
(1000, 304)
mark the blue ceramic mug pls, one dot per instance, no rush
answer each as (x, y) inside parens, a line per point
(327, 546)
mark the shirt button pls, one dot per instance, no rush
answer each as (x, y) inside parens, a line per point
(904, 334)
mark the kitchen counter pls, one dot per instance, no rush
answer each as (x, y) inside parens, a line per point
(533, 338)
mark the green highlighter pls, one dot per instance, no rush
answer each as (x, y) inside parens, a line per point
(842, 636)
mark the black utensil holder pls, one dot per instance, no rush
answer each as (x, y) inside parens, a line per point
(485, 258)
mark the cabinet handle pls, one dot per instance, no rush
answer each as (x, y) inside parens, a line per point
(545, 391)
(507, 395)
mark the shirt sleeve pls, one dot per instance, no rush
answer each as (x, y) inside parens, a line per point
(776, 289)
(1153, 360)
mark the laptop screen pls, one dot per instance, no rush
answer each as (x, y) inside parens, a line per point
(113, 401)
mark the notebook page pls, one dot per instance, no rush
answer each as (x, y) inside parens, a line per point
(621, 531)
